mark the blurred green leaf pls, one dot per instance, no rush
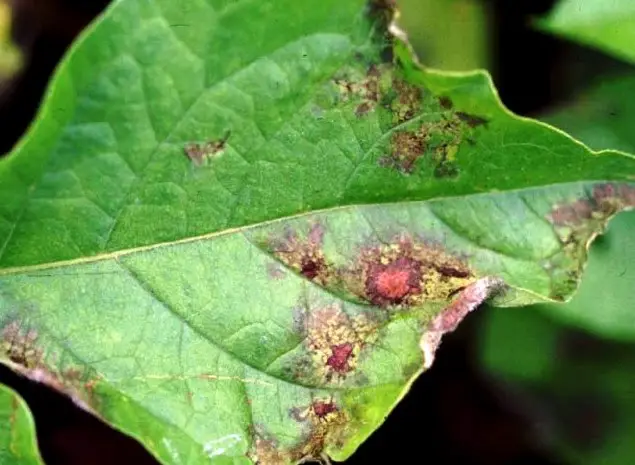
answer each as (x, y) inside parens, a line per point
(18, 445)
(10, 59)
(451, 35)
(578, 389)
(602, 116)
(608, 25)
(518, 344)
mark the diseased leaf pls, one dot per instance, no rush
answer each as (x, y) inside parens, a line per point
(17, 436)
(297, 336)
(310, 115)
(241, 243)
(602, 118)
(607, 25)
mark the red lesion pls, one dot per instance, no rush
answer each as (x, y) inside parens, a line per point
(339, 359)
(325, 423)
(322, 408)
(391, 283)
(334, 341)
(312, 267)
(405, 273)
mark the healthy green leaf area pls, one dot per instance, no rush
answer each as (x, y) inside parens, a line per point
(238, 230)
(606, 24)
(17, 436)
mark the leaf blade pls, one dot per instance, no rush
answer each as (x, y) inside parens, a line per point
(17, 441)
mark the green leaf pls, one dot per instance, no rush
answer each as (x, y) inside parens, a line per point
(602, 118)
(237, 231)
(576, 387)
(17, 436)
(606, 25)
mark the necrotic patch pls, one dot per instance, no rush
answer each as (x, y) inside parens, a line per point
(333, 341)
(303, 254)
(405, 273)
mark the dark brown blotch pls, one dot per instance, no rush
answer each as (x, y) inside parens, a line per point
(446, 103)
(406, 148)
(446, 169)
(407, 102)
(200, 153)
(405, 273)
(472, 121)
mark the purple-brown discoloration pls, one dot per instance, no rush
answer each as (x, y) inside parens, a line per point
(304, 254)
(406, 273)
(20, 346)
(200, 153)
(334, 341)
(604, 201)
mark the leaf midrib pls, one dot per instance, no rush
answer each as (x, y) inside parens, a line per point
(125, 252)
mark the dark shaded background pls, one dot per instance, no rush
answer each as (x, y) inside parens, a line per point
(454, 414)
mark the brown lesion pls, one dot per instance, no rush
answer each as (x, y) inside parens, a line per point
(407, 147)
(446, 103)
(303, 254)
(20, 346)
(572, 214)
(438, 141)
(407, 101)
(266, 451)
(200, 153)
(323, 422)
(364, 90)
(604, 201)
(406, 273)
(334, 341)
(576, 223)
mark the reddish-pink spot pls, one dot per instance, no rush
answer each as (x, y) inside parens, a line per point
(338, 361)
(572, 214)
(393, 282)
(322, 409)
